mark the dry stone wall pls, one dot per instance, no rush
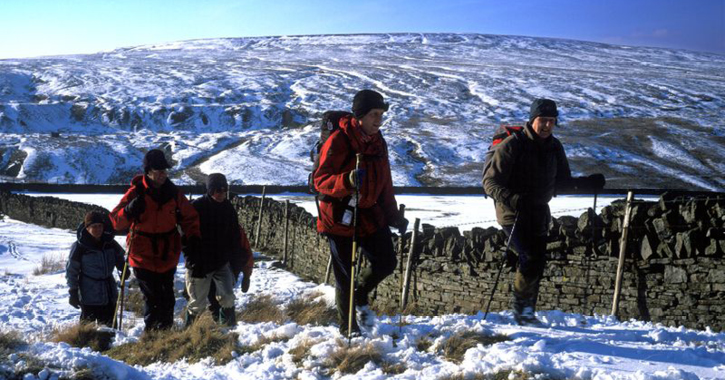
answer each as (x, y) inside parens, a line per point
(45, 211)
(674, 271)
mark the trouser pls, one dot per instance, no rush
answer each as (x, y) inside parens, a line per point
(378, 250)
(214, 306)
(102, 314)
(530, 246)
(159, 300)
(198, 289)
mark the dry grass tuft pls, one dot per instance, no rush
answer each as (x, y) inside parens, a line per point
(133, 301)
(310, 310)
(301, 351)
(50, 263)
(456, 346)
(265, 341)
(203, 339)
(84, 334)
(262, 309)
(423, 344)
(9, 342)
(350, 360)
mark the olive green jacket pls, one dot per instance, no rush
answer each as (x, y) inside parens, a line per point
(529, 166)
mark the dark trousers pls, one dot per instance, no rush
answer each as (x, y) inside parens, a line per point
(102, 314)
(529, 244)
(158, 294)
(378, 250)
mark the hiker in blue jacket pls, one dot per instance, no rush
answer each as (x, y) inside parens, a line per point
(89, 270)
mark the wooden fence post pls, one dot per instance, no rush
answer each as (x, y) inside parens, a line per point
(622, 252)
(408, 268)
(286, 231)
(259, 219)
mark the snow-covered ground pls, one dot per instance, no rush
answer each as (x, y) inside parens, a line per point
(564, 347)
(646, 117)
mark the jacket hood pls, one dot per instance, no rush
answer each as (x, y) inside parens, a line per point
(85, 239)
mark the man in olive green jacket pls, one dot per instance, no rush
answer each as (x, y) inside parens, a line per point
(527, 169)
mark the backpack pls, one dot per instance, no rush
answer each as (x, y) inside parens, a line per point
(501, 134)
(329, 123)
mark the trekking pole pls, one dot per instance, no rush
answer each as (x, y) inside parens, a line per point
(500, 268)
(121, 294)
(588, 260)
(351, 310)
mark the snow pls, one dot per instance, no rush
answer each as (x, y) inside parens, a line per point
(565, 346)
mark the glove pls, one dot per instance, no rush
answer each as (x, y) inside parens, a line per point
(74, 299)
(401, 224)
(355, 177)
(520, 202)
(596, 181)
(246, 280)
(135, 208)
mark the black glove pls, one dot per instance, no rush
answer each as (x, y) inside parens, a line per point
(401, 224)
(596, 181)
(74, 299)
(521, 203)
(355, 177)
(246, 280)
(135, 208)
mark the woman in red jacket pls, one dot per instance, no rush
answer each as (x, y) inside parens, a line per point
(336, 179)
(151, 210)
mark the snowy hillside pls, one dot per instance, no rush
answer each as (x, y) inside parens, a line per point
(568, 346)
(646, 117)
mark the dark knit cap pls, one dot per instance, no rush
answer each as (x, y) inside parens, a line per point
(366, 100)
(543, 107)
(93, 217)
(155, 159)
(215, 182)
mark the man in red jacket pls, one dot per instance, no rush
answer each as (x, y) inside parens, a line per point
(336, 179)
(151, 210)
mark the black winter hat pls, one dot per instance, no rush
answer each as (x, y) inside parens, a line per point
(216, 181)
(366, 100)
(155, 159)
(543, 107)
(93, 217)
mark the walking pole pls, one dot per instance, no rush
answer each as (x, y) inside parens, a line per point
(121, 294)
(588, 261)
(500, 268)
(351, 310)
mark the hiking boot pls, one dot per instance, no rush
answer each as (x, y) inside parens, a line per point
(366, 316)
(361, 297)
(189, 319)
(526, 317)
(228, 317)
(355, 330)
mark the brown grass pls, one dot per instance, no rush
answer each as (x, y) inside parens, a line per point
(84, 334)
(310, 310)
(352, 359)
(50, 263)
(9, 342)
(203, 339)
(301, 351)
(423, 344)
(133, 301)
(456, 346)
(262, 309)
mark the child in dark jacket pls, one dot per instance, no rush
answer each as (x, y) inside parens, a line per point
(89, 270)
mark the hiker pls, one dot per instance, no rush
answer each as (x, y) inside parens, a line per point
(527, 169)
(336, 179)
(89, 270)
(151, 210)
(222, 256)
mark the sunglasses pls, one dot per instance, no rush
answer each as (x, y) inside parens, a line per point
(221, 190)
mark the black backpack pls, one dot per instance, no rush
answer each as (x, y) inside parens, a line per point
(501, 134)
(329, 123)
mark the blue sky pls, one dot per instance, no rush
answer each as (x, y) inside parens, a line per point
(46, 27)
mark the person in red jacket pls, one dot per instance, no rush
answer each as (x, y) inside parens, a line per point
(151, 210)
(336, 179)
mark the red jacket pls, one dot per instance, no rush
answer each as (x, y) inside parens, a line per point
(153, 240)
(377, 207)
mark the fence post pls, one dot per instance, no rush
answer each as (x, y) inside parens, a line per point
(401, 246)
(408, 268)
(622, 252)
(286, 231)
(259, 219)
